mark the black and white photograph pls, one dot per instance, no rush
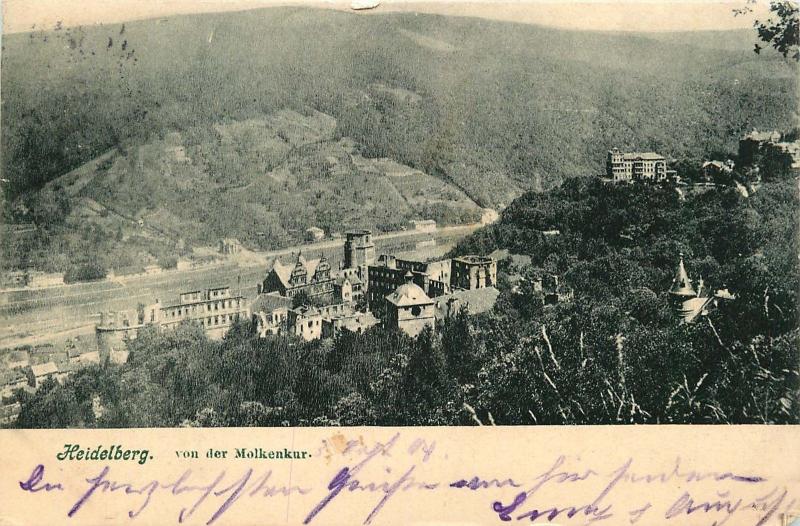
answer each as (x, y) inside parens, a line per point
(266, 214)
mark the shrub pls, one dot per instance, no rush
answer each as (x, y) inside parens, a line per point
(168, 262)
(85, 272)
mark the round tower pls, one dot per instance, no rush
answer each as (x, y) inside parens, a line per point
(681, 290)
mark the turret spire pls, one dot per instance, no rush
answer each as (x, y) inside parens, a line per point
(681, 284)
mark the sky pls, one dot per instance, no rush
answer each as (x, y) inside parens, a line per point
(594, 15)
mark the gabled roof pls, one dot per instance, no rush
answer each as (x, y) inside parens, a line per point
(284, 271)
(44, 369)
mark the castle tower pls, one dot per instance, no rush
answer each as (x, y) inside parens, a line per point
(682, 293)
(359, 250)
(681, 284)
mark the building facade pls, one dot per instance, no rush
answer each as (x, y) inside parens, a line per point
(313, 277)
(472, 272)
(305, 322)
(347, 289)
(269, 313)
(636, 166)
(229, 246)
(353, 321)
(716, 171)
(359, 249)
(409, 309)
(390, 273)
(117, 328)
(216, 310)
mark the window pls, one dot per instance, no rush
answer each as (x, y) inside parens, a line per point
(416, 310)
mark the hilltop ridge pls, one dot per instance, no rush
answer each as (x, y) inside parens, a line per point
(490, 109)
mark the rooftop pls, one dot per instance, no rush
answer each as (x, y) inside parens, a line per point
(353, 279)
(474, 259)
(409, 293)
(270, 302)
(44, 369)
(647, 156)
(681, 284)
(284, 272)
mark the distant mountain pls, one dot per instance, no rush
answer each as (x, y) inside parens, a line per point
(494, 108)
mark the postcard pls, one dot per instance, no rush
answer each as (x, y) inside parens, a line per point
(400, 262)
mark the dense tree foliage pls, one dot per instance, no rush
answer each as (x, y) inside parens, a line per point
(781, 31)
(617, 353)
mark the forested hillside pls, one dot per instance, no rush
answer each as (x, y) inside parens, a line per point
(264, 181)
(616, 353)
(494, 107)
(172, 122)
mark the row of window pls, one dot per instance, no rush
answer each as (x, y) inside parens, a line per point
(215, 293)
(194, 309)
(223, 319)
